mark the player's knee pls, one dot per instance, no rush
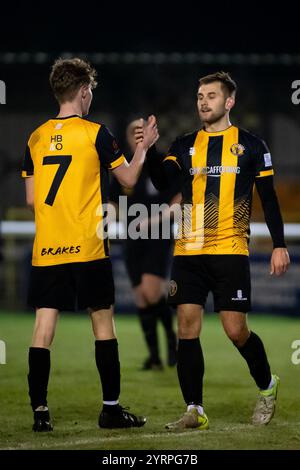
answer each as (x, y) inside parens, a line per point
(237, 334)
(152, 295)
(188, 328)
(152, 299)
(104, 330)
(152, 289)
(103, 324)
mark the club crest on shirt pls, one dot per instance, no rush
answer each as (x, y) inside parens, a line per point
(172, 288)
(237, 150)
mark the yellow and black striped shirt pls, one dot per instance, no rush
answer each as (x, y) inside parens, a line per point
(69, 159)
(219, 171)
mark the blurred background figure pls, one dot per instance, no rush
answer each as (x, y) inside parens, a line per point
(147, 262)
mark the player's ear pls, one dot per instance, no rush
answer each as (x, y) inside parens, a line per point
(84, 90)
(229, 103)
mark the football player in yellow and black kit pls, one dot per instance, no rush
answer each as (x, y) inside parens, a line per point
(219, 165)
(66, 167)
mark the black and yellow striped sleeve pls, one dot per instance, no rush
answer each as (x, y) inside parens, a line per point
(27, 165)
(109, 152)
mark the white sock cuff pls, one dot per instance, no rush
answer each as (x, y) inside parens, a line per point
(271, 383)
(198, 407)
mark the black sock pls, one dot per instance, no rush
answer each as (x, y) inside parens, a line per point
(165, 313)
(148, 321)
(190, 369)
(254, 353)
(38, 376)
(108, 364)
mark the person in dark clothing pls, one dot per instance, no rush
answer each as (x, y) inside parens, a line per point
(147, 262)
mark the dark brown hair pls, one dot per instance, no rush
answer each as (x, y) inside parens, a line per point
(227, 83)
(68, 75)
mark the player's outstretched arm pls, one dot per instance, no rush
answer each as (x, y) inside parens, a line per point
(128, 173)
(162, 171)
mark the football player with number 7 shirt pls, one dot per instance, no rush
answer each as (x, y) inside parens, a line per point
(66, 166)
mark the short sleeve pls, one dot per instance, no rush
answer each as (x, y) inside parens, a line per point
(108, 149)
(27, 165)
(263, 164)
(174, 153)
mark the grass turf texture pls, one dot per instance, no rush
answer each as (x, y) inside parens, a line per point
(75, 398)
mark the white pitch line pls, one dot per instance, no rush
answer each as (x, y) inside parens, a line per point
(134, 437)
(101, 440)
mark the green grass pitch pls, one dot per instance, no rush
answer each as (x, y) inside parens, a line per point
(75, 396)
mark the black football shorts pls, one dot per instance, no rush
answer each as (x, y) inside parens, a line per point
(226, 276)
(72, 286)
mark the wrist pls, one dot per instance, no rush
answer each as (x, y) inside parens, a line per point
(140, 145)
(145, 146)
